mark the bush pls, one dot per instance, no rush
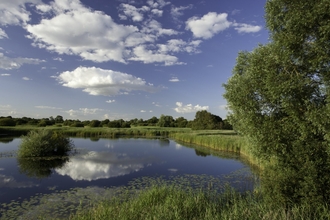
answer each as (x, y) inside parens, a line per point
(7, 122)
(43, 143)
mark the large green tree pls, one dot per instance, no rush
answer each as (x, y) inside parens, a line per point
(279, 99)
(204, 120)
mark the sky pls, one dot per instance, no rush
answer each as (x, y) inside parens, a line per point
(122, 59)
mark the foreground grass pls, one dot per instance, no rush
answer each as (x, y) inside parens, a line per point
(171, 202)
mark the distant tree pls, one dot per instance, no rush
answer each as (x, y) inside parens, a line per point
(152, 121)
(166, 121)
(105, 122)
(7, 122)
(181, 122)
(77, 123)
(204, 120)
(94, 123)
(59, 119)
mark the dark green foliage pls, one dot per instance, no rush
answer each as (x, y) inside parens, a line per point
(166, 121)
(94, 123)
(181, 122)
(43, 143)
(77, 124)
(204, 120)
(279, 99)
(7, 122)
(59, 119)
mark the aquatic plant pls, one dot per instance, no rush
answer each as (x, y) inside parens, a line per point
(42, 143)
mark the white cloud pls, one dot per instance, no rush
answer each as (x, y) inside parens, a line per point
(189, 108)
(246, 28)
(83, 111)
(157, 12)
(177, 11)
(77, 30)
(110, 101)
(178, 45)
(208, 25)
(98, 81)
(174, 79)
(5, 74)
(13, 12)
(209, 65)
(3, 34)
(58, 59)
(26, 78)
(157, 3)
(73, 29)
(143, 111)
(46, 107)
(156, 104)
(9, 63)
(131, 11)
(235, 12)
(150, 56)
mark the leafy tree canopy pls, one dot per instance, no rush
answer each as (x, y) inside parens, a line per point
(279, 95)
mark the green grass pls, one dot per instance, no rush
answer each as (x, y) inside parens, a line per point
(172, 202)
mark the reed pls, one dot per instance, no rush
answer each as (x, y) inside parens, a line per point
(222, 141)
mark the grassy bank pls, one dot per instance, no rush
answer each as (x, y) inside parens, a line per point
(171, 202)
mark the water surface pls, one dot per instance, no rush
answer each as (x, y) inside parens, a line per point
(106, 163)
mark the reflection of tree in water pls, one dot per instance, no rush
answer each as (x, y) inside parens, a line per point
(40, 168)
(6, 140)
(94, 139)
(164, 142)
(201, 153)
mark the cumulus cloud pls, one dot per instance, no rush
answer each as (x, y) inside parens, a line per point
(110, 101)
(98, 81)
(13, 12)
(3, 34)
(208, 25)
(73, 29)
(26, 78)
(78, 30)
(189, 108)
(246, 28)
(5, 74)
(9, 63)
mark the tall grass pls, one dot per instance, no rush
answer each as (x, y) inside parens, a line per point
(171, 202)
(222, 141)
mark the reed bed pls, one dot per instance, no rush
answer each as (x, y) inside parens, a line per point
(222, 141)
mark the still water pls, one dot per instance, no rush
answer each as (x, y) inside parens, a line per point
(107, 163)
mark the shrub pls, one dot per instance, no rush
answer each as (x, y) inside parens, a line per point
(43, 143)
(7, 122)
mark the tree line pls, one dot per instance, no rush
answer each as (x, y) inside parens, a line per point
(204, 120)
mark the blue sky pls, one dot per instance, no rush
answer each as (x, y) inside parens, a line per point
(122, 59)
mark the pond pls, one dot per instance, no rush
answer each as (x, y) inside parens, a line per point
(101, 163)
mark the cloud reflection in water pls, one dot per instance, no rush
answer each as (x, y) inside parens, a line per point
(101, 165)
